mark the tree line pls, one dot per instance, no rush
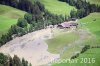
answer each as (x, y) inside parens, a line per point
(25, 5)
(83, 8)
(6, 60)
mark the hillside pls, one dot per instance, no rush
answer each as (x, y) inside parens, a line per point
(92, 22)
(91, 33)
(8, 17)
(94, 1)
(91, 53)
(41, 37)
(57, 7)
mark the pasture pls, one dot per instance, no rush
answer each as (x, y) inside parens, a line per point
(8, 17)
(57, 7)
(90, 54)
(92, 22)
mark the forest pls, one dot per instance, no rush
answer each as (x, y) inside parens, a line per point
(6, 60)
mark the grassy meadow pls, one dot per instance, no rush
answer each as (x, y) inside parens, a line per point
(57, 7)
(92, 22)
(8, 17)
(58, 42)
(90, 54)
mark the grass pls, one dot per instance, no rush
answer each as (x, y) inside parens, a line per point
(57, 7)
(94, 1)
(5, 24)
(60, 41)
(11, 12)
(92, 22)
(8, 17)
(91, 53)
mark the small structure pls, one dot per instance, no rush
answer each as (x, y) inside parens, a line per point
(70, 24)
(50, 26)
(73, 19)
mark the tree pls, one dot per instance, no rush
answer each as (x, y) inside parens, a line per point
(85, 48)
(22, 22)
(3, 58)
(23, 62)
(41, 6)
(4, 39)
(11, 63)
(17, 61)
(6, 60)
(81, 13)
(31, 28)
(73, 14)
(28, 17)
(14, 29)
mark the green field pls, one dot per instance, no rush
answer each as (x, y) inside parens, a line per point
(94, 1)
(60, 41)
(8, 17)
(90, 54)
(92, 22)
(57, 7)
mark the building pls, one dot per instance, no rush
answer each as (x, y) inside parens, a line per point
(69, 24)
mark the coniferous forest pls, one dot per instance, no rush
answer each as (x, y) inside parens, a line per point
(6, 60)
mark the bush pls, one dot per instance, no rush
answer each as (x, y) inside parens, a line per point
(85, 48)
(22, 23)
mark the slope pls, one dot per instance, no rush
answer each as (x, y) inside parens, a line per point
(94, 1)
(57, 7)
(8, 17)
(92, 22)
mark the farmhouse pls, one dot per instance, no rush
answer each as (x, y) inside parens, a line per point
(70, 24)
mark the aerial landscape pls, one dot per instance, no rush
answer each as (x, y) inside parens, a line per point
(49, 32)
